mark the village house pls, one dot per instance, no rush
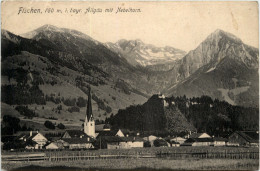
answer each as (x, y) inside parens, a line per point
(61, 144)
(51, 146)
(244, 138)
(131, 142)
(32, 140)
(116, 132)
(198, 142)
(219, 141)
(172, 143)
(74, 134)
(179, 140)
(116, 142)
(199, 135)
(79, 143)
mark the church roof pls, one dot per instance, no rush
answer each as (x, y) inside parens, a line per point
(89, 106)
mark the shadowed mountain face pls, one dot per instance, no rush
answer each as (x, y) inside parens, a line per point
(222, 67)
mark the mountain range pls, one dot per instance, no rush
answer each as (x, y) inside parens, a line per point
(61, 63)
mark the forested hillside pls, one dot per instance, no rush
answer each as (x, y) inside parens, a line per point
(182, 114)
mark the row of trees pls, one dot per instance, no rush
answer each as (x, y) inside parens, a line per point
(50, 125)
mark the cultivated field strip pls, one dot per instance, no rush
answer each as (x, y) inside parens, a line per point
(168, 153)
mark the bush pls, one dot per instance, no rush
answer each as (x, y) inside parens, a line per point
(69, 102)
(61, 126)
(49, 124)
(74, 109)
(81, 102)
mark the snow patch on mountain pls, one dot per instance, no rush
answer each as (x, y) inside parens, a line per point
(137, 52)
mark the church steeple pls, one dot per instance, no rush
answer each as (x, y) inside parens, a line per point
(89, 106)
(89, 124)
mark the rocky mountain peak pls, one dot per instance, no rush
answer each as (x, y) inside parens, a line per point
(49, 31)
(220, 34)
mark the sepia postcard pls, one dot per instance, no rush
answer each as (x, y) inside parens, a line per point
(153, 85)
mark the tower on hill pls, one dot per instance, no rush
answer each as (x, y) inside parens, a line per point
(89, 124)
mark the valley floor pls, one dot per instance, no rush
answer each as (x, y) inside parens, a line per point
(140, 164)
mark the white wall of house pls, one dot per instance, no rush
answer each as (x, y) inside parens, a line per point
(175, 145)
(131, 144)
(219, 143)
(113, 145)
(40, 139)
(201, 144)
(81, 146)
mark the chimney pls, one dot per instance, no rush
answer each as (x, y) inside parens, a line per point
(30, 133)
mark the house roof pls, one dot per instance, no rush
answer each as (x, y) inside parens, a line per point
(76, 133)
(26, 135)
(249, 136)
(191, 140)
(108, 133)
(78, 140)
(219, 139)
(99, 128)
(107, 126)
(196, 135)
(110, 139)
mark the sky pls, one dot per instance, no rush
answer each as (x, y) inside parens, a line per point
(182, 25)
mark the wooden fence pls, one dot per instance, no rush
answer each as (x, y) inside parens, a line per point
(83, 155)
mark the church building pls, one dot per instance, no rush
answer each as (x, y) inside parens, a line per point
(89, 124)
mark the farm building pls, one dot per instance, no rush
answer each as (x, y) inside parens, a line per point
(219, 141)
(199, 135)
(198, 142)
(32, 140)
(61, 144)
(79, 143)
(131, 142)
(116, 142)
(244, 138)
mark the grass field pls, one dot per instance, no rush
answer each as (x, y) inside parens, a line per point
(142, 164)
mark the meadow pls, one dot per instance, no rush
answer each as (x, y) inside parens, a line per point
(134, 159)
(133, 163)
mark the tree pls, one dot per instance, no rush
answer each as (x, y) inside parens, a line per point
(49, 124)
(61, 126)
(10, 125)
